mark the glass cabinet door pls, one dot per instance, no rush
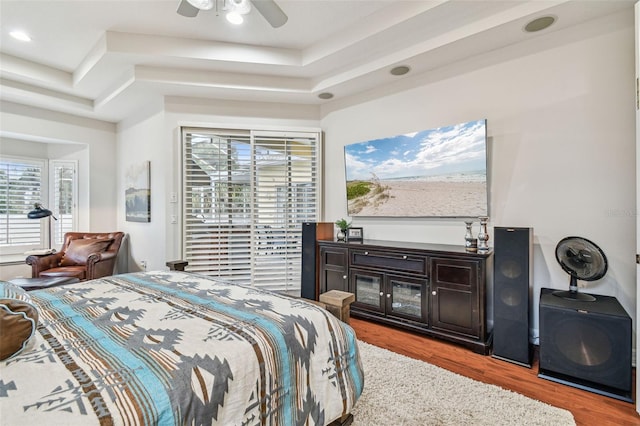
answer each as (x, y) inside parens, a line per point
(407, 298)
(367, 287)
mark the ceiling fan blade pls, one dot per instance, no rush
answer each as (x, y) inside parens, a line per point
(271, 12)
(187, 9)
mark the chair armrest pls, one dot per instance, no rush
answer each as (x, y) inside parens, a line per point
(100, 264)
(42, 263)
(100, 257)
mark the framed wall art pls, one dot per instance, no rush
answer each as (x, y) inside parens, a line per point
(438, 172)
(138, 192)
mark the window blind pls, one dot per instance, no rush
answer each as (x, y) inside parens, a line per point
(20, 189)
(245, 196)
(284, 176)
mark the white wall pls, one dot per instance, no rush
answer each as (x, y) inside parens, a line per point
(560, 114)
(145, 141)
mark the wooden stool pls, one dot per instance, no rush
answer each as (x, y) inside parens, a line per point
(177, 265)
(338, 303)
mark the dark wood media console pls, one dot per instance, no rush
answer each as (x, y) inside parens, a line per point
(438, 290)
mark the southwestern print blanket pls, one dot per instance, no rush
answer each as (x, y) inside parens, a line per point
(173, 348)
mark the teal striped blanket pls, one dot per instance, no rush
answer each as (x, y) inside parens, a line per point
(173, 348)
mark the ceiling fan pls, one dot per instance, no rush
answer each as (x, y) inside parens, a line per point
(269, 9)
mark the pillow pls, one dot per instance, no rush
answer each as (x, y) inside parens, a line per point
(18, 319)
(79, 250)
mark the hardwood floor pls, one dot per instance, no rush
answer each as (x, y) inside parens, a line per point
(587, 408)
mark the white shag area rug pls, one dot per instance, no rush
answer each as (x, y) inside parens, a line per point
(402, 391)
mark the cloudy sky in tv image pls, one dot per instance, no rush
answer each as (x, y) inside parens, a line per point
(458, 149)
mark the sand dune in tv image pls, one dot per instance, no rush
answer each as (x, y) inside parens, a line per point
(438, 172)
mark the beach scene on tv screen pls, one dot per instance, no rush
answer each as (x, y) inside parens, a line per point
(440, 172)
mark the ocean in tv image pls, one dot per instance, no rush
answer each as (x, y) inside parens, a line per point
(438, 172)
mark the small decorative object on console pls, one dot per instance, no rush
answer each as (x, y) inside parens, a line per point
(354, 234)
(342, 225)
(483, 236)
(470, 243)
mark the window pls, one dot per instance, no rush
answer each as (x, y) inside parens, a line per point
(64, 194)
(245, 197)
(21, 187)
(23, 183)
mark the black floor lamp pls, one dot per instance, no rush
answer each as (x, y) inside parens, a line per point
(39, 212)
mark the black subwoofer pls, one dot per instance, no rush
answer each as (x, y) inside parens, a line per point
(513, 251)
(311, 232)
(586, 344)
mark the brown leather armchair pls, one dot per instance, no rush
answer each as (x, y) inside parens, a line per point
(83, 255)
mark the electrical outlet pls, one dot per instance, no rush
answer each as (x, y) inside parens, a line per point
(143, 264)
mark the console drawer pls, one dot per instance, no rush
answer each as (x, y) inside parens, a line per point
(389, 260)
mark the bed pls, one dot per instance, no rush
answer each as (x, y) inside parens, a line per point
(174, 348)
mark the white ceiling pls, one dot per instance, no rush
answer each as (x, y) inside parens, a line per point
(106, 59)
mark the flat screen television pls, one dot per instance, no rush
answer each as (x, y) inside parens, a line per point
(439, 172)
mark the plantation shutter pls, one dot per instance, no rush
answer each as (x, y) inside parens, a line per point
(217, 217)
(64, 199)
(20, 190)
(245, 196)
(284, 196)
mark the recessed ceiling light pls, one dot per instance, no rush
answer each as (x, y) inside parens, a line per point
(400, 70)
(539, 24)
(325, 95)
(20, 35)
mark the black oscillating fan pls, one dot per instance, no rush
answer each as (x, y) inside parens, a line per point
(582, 260)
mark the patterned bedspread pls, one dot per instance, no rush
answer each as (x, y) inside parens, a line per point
(172, 348)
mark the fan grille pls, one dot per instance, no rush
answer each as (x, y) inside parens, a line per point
(581, 258)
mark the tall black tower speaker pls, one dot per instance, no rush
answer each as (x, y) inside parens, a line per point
(585, 344)
(513, 267)
(311, 232)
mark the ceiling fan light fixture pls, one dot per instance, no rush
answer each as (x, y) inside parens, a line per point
(240, 6)
(234, 17)
(202, 4)
(236, 9)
